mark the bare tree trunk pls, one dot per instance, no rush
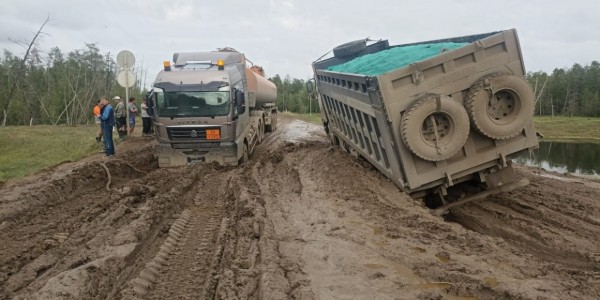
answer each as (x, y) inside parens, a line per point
(566, 102)
(145, 74)
(21, 70)
(539, 95)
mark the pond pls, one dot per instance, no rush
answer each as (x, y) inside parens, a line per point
(564, 157)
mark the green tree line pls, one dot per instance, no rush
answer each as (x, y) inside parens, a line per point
(59, 88)
(56, 88)
(292, 96)
(568, 92)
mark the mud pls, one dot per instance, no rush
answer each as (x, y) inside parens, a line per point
(301, 220)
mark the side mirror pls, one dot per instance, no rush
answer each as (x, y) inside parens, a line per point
(239, 98)
(241, 110)
(150, 101)
(240, 102)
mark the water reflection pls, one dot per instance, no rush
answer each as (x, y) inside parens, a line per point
(578, 158)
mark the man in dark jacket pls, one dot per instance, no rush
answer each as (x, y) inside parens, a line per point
(107, 119)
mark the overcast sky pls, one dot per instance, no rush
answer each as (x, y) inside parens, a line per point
(286, 36)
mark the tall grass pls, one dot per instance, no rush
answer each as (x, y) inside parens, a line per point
(27, 149)
(568, 127)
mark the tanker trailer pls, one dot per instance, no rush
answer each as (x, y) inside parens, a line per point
(211, 107)
(439, 118)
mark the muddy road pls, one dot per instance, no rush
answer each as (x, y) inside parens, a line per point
(301, 220)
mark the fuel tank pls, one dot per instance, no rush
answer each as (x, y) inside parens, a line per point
(264, 90)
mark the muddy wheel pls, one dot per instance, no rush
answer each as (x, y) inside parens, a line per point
(271, 127)
(245, 155)
(261, 131)
(274, 123)
(349, 48)
(500, 105)
(435, 127)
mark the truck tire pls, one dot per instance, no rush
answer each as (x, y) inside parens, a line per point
(435, 127)
(500, 105)
(271, 127)
(349, 48)
(261, 131)
(245, 155)
(273, 123)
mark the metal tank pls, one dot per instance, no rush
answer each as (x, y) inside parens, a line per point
(263, 90)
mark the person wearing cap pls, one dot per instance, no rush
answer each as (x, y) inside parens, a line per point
(121, 118)
(107, 119)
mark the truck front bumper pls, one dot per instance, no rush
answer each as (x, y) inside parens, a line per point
(172, 155)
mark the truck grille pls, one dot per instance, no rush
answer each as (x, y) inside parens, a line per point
(189, 133)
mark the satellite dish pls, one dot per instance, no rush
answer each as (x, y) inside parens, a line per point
(125, 59)
(126, 79)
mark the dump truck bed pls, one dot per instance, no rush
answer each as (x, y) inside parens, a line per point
(366, 110)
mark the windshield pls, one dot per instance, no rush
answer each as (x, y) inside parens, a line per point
(191, 104)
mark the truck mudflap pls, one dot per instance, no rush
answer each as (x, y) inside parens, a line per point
(225, 154)
(502, 181)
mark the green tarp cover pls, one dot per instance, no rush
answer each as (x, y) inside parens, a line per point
(394, 58)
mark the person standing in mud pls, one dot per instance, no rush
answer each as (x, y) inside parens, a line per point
(146, 120)
(121, 118)
(98, 121)
(132, 114)
(150, 106)
(108, 122)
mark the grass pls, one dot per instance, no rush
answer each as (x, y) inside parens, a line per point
(565, 128)
(25, 150)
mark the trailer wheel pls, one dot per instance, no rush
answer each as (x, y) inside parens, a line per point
(435, 127)
(271, 127)
(261, 131)
(349, 48)
(500, 105)
(245, 155)
(274, 123)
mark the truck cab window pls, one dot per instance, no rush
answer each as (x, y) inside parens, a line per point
(194, 104)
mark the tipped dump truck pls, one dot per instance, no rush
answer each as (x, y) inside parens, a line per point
(211, 107)
(439, 118)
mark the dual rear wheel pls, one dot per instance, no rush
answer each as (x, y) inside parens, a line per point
(498, 106)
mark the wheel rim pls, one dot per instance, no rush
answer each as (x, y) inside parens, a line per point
(503, 106)
(436, 129)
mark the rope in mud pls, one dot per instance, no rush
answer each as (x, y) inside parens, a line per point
(130, 165)
(103, 165)
(107, 174)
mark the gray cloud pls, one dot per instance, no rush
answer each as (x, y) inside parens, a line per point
(285, 36)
